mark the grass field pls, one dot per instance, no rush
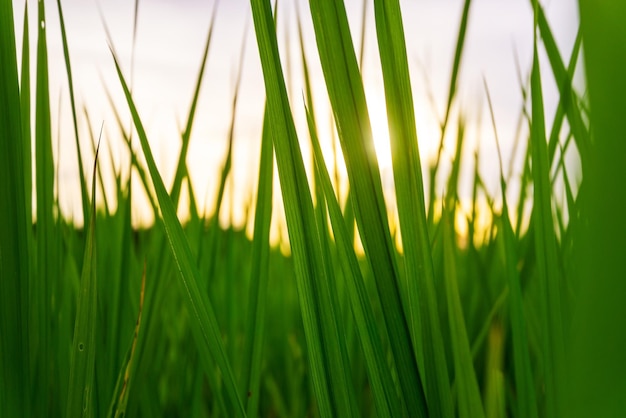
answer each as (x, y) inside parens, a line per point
(433, 315)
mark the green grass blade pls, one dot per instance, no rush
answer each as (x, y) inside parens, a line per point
(25, 102)
(563, 80)
(379, 373)
(327, 363)
(564, 99)
(47, 256)
(347, 98)
(549, 274)
(524, 380)
(385, 397)
(226, 171)
(70, 83)
(596, 368)
(181, 169)
(204, 324)
(83, 355)
(14, 229)
(468, 393)
(256, 320)
(133, 157)
(125, 377)
(409, 185)
(456, 65)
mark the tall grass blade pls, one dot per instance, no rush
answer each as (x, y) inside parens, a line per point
(563, 79)
(347, 97)
(469, 403)
(332, 388)
(596, 371)
(524, 380)
(385, 396)
(83, 355)
(256, 321)
(122, 387)
(204, 324)
(47, 255)
(181, 169)
(70, 83)
(14, 230)
(409, 184)
(456, 65)
(548, 271)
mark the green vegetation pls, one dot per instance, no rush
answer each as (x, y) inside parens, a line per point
(518, 318)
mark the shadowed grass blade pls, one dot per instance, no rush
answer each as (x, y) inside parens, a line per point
(14, 229)
(596, 380)
(47, 245)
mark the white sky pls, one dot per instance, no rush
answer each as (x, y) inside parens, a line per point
(171, 35)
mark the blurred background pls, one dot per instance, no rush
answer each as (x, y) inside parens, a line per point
(163, 57)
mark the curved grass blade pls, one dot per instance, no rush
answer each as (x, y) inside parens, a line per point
(204, 325)
(83, 355)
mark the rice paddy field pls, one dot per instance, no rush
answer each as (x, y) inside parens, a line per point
(372, 304)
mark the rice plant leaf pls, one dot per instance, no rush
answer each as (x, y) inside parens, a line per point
(83, 355)
(124, 379)
(468, 392)
(14, 230)
(181, 168)
(347, 97)
(226, 170)
(563, 80)
(524, 380)
(70, 83)
(456, 65)
(255, 331)
(47, 246)
(595, 382)
(333, 391)
(385, 397)
(549, 274)
(204, 323)
(409, 186)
